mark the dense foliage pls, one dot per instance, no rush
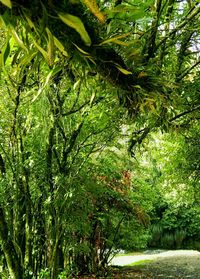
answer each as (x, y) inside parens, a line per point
(170, 175)
(81, 82)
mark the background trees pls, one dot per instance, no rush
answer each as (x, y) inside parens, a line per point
(170, 177)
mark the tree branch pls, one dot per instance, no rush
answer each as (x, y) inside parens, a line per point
(71, 144)
(151, 40)
(184, 113)
(186, 72)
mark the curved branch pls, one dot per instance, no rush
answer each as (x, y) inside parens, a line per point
(184, 113)
(186, 72)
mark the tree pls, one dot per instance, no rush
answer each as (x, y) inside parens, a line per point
(51, 128)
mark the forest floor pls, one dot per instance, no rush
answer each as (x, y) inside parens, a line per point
(178, 264)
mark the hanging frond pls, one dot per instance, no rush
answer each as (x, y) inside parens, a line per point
(93, 7)
(76, 23)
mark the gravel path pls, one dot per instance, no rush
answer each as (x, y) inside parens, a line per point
(177, 264)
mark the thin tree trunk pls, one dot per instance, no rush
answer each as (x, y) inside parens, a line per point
(12, 258)
(57, 263)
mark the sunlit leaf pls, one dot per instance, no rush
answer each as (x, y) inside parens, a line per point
(60, 46)
(43, 52)
(7, 3)
(126, 11)
(124, 71)
(121, 43)
(93, 7)
(81, 50)
(5, 51)
(50, 47)
(26, 59)
(114, 39)
(52, 73)
(92, 98)
(30, 23)
(137, 86)
(1, 22)
(123, 9)
(91, 59)
(142, 74)
(76, 23)
(76, 84)
(17, 38)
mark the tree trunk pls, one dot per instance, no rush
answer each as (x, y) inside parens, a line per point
(12, 259)
(57, 260)
(28, 249)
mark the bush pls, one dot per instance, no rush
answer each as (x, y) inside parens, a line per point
(132, 237)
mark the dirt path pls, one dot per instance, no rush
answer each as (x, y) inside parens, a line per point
(153, 255)
(179, 264)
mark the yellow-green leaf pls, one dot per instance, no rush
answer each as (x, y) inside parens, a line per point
(7, 3)
(26, 59)
(5, 53)
(41, 89)
(81, 50)
(92, 98)
(76, 23)
(50, 47)
(50, 75)
(114, 39)
(124, 71)
(43, 52)
(76, 84)
(1, 21)
(17, 38)
(60, 46)
(118, 42)
(30, 23)
(93, 7)
(137, 86)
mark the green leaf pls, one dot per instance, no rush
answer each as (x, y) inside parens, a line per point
(76, 84)
(50, 47)
(51, 74)
(26, 60)
(81, 50)
(44, 52)
(5, 52)
(7, 3)
(60, 46)
(76, 23)
(17, 38)
(124, 71)
(30, 23)
(115, 39)
(127, 9)
(94, 8)
(92, 98)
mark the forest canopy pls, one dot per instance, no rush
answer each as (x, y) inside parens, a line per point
(148, 52)
(82, 82)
